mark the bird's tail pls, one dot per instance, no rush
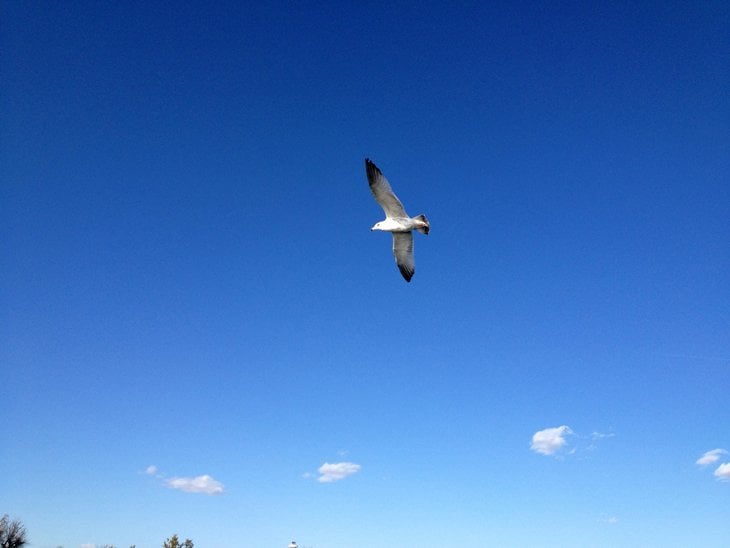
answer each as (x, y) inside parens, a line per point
(422, 224)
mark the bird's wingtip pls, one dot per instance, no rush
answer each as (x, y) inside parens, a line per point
(406, 272)
(372, 170)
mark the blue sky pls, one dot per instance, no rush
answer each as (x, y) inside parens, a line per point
(201, 335)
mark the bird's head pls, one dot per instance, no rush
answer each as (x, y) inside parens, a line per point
(377, 226)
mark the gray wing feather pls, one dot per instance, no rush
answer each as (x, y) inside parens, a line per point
(380, 187)
(403, 251)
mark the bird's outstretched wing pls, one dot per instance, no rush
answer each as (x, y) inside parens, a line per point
(384, 195)
(403, 251)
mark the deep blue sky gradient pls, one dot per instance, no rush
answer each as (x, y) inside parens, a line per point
(189, 280)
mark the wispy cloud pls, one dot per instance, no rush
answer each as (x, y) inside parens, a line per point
(336, 471)
(723, 472)
(561, 441)
(204, 484)
(711, 457)
(550, 440)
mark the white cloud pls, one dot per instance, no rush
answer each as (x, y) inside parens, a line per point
(88, 545)
(723, 472)
(151, 470)
(201, 484)
(550, 440)
(601, 435)
(711, 457)
(336, 471)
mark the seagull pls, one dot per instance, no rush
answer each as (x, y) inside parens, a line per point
(396, 220)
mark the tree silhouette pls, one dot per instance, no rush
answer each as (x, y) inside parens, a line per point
(174, 542)
(12, 533)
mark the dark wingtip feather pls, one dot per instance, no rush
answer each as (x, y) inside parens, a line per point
(406, 272)
(372, 170)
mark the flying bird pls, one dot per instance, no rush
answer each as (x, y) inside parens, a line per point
(396, 220)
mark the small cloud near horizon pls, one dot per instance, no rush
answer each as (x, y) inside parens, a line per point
(204, 484)
(722, 472)
(711, 457)
(336, 471)
(550, 440)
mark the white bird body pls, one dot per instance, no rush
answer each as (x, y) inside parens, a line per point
(399, 224)
(397, 221)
